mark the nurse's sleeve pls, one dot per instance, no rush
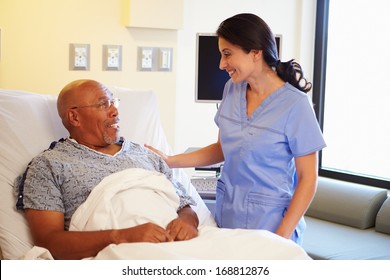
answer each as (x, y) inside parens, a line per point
(225, 92)
(302, 129)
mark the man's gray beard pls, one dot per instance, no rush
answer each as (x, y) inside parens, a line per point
(110, 140)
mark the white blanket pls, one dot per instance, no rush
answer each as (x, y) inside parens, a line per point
(128, 198)
(136, 196)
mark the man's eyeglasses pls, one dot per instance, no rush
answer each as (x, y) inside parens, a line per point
(103, 105)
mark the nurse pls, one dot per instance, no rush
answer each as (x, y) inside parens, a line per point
(269, 136)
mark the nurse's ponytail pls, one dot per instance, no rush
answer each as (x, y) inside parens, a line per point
(292, 73)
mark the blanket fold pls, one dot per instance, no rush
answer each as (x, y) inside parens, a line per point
(128, 198)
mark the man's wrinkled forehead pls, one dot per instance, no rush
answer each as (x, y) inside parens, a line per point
(106, 91)
(99, 91)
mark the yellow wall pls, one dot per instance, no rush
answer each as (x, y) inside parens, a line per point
(35, 48)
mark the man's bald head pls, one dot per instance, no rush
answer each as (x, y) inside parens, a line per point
(74, 93)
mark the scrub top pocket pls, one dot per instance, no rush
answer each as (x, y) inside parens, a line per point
(265, 212)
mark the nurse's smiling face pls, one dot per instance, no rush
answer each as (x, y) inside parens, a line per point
(234, 60)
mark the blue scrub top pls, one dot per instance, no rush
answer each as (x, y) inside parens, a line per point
(258, 176)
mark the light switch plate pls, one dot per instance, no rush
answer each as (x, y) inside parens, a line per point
(112, 57)
(79, 56)
(165, 59)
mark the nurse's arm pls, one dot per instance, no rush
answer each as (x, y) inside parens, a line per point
(307, 183)
(208, 155)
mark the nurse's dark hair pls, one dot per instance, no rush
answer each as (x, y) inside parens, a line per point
(250, 32)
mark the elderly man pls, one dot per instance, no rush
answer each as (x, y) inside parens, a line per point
(60, 179)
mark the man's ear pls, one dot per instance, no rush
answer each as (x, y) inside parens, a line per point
(73, 118)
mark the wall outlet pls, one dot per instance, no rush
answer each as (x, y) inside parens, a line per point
(146, 58)
(79, 56)
(112, 57)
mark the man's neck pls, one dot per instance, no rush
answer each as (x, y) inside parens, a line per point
(108, 149)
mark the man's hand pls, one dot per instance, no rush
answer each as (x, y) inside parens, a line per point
(47, 229)
(185, 227)
(143, 233)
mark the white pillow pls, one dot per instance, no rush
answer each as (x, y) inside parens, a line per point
(29, 123)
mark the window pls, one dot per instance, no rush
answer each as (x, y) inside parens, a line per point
(351, 90)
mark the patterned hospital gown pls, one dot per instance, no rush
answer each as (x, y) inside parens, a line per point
(62, 177)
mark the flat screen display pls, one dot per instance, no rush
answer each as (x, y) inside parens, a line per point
(210, 80)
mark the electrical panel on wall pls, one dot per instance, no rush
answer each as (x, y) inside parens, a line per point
(112, 57)
(154, 59)
(79, 56)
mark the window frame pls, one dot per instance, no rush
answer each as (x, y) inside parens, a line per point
(319, 82)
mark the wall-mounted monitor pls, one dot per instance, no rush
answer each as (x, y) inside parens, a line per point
(210, 80)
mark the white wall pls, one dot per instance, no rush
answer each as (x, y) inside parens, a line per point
(294, 19)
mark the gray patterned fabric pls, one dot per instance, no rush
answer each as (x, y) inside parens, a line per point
(61, 178)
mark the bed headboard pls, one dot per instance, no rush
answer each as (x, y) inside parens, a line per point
(29, 123)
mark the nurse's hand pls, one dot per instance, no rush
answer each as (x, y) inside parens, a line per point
(160, 153)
